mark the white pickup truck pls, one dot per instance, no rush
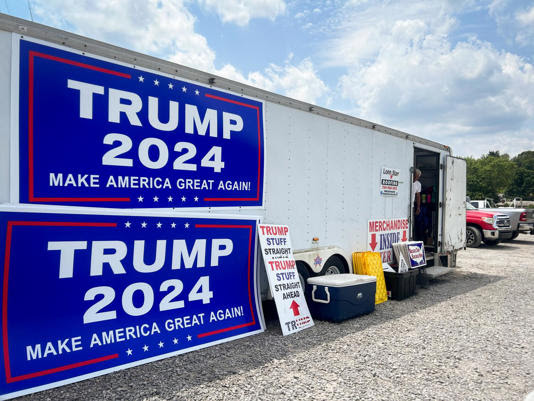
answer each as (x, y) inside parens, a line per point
(521, 219)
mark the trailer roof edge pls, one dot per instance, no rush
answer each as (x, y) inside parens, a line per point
(81, 43)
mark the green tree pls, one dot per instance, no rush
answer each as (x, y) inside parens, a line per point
(475, 186)
(522, 184)
(525, 160)
(490, 175)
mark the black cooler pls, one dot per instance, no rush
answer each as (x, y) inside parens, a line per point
(338, 297)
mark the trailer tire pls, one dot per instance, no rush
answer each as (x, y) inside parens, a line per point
(491, 242)
(333, 265)
(304, 274)
(473, 237)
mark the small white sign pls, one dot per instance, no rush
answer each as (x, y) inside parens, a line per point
(410, 255)
(284, 279)
(416, 251)
(389, 181)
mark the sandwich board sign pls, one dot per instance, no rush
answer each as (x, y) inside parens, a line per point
(284, 280)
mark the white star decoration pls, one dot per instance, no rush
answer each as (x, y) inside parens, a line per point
(129, 351)
(170, 198)
(197, 92)
(145, 348)
(184, 89)
(143, 224)
(141, 78)
(173, 225)
(161, 344)
(127, 224)
(189, 338)
(158, 225)
(183, 198)
(140, 199)
(171, 86)
(156, 198)
(196, 198)
(156, 82)
(175, 340)
(186, 225)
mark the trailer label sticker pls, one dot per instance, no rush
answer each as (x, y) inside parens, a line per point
(84, 295)
(284, 279)
(383, 233)
(389, 181)
(99, 133)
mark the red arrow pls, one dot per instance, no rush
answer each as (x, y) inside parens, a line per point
(404, 236)
(373, 241)
(295, 307)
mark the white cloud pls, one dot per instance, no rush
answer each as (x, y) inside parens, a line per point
(525, 34)
(526, 17)
(403, 70)
(160, 28)
(299, 81)
(240, 12)
(166, 29)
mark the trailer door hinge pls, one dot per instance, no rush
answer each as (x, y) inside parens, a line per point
(441, 166)
(440, 204)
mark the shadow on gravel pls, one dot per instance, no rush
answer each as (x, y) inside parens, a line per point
(506, 247)
(518, 242)
(163, 380)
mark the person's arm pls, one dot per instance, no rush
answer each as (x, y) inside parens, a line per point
(417, 203)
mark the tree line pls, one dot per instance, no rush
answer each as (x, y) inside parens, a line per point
(495, 176)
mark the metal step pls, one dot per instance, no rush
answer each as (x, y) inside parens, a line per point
(437, 271)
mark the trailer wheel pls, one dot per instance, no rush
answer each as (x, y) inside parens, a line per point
(304, 274)
(334, 265)
(491, 242)
(473, 237)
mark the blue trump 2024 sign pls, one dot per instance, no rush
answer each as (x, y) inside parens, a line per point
(93, 132)
(87, 294)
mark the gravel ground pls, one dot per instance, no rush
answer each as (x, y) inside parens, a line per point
(469, 336)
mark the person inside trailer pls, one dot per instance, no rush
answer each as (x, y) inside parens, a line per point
(418, 233)
(416, 192)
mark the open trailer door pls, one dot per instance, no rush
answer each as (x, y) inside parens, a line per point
(453, 236)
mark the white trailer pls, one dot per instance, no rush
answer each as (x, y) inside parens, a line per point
(322, 169)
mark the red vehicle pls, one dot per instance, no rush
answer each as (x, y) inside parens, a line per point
(486, 226)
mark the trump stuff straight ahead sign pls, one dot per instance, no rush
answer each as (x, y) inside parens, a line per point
(87, 294)
(95, 132)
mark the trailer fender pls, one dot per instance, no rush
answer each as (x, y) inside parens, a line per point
(316, 258)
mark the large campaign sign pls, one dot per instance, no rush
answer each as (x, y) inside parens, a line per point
(94, 132)
(86, 294)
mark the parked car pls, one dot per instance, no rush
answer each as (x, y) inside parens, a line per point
(486, 226)
(521, 220)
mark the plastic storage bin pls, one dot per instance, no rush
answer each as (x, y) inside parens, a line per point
(401, 285)
(338, 297)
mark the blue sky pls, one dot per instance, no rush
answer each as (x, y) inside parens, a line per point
(460, 72)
